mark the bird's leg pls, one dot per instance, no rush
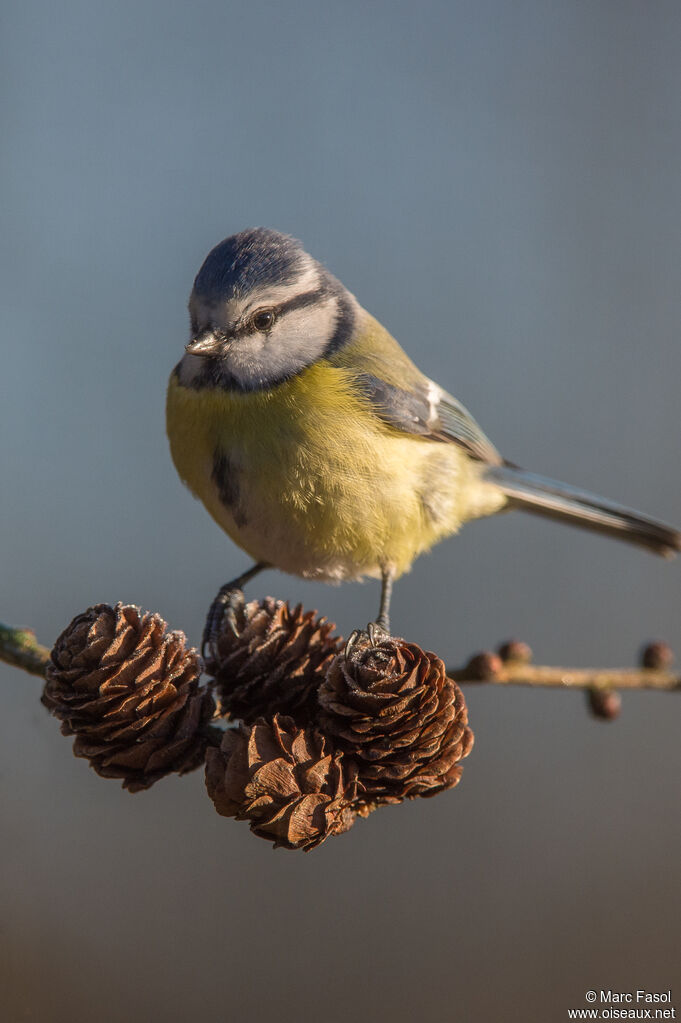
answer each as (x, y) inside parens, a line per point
(380, 629)
(383, 620)
(223, 609)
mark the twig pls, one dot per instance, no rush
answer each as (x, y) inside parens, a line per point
(20, 648)
(545, 676)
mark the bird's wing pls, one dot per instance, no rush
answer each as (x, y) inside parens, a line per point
(427, 410)
(400, 395)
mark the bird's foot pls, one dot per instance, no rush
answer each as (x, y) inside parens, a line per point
(222, 614)
(374, 634)
(378, 632)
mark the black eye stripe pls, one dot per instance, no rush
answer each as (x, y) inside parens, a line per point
(297, 302)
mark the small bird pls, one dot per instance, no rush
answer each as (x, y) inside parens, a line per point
(320, 448)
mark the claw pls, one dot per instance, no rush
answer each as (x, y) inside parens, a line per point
(230, 620)
(374, 634)
(353, 639)
(371, 633)
(222, 612)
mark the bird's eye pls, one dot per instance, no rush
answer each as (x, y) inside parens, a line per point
(263, 320)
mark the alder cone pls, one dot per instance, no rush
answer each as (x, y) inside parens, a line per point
(129, 691)
(275, 663)
(284, 780)
(393, 708)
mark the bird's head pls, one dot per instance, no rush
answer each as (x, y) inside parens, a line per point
(262, 310)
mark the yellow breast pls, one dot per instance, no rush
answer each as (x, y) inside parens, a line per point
(306, 478)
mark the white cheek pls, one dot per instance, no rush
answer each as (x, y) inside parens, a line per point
(245, 354)
(304, 333)
(297, 340)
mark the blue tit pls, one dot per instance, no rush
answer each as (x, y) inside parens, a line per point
(319, 447)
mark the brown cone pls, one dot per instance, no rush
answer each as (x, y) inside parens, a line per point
(284, 780)
(128, 690)
(276, 662)
(393, 708)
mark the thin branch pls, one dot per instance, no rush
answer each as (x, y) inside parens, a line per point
(20, 648)
(511, 673)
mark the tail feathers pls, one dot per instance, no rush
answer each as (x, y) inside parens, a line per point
(547, 497)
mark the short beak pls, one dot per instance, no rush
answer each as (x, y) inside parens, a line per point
(205, 344)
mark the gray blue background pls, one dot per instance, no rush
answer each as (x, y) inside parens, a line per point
(500, 183)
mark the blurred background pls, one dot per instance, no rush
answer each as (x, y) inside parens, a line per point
(501, 185)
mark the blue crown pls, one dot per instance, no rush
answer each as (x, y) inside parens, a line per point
(248, 260)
